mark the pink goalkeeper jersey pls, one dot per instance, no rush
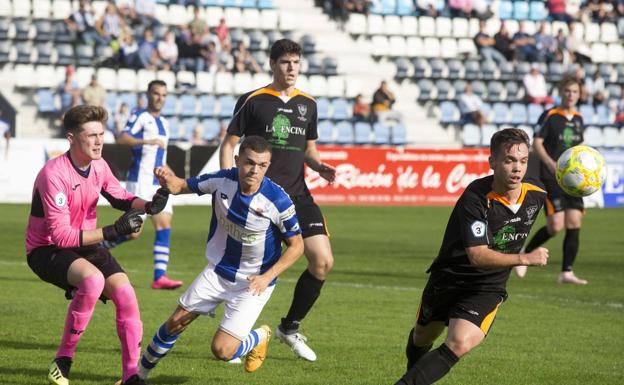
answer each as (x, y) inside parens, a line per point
(64, 202)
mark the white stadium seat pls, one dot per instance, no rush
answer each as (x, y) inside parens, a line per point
(392, 25)
(592, 32)
(426, 26)
(414, 46)
(375, 25)
(335, 86)
(409, 25)
(444, 27)
(431, 47)
(251, 18)
(608, 33)
(398, 47)
(448, 47)
(82, 76)
(224, 83)
(269, 19)
(242, 83)
(126, 80)
(233, 17)
(144, 77)
(318, 85)
(205, 82)
(21, 8)
(61, 9)
(380, 45)
(168, 77)
(214, 14)
(186, 77)
(356, 24)
(107, 77)
(461, 27)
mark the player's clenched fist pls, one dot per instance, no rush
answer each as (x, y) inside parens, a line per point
(537, 257)
(130, 222)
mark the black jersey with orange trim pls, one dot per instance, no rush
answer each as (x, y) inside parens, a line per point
(482, 217)
(560, 131)
(287, 123)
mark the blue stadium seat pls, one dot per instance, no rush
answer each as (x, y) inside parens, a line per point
(186, 128)
(247, 3)
(188, 104)
(603, 115)
(381, 133)
(405, 7)
(471, 135)
(65, 54)
(84, 55)
(444, 89)
(45, 103)
(399, 134)
(505, 10)
(512, 91)
(534, 111)
(495, 90)
(22, 28)
(362, 132)
(44, 53)
(24, 50)
(227, 103)
(207, 105)
(342, 109)
(315, 65)
(212, 127)
(174, 128)
(265, 4)
(170, 107)
(402, 67)
(345, 132)
(325, 132)
(44, 30)
(62, 34)
(518, 114)
(322, 108)
(472, 69)
(420, 67)
(330, 66)
(449, 113)
(426, 87)
(388, 7)
(588, 113)
(500, 113)
(437, 67)
(130, 98)
(537, 11)
(5, 50)
(5, 25)
(520, 10)
(455, 67)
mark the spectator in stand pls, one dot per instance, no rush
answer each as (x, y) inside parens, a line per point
(82, 22)
(5, 129)
(562, 47)
(503, 42)
(147, 50)
(573, 8)
(620, 18)
(481, 9)
(196, 137)
(617, 106)
(535, 87)
(146, 12)
(601, 11)
(579, 75)
(579, 50)
(168, 52)
(223, 33)
(557, 10)
(192, 53)
(69, 91)
(525, 45)
(485, 45)
(427, 8)
(595, 87)
(460, 8)
(126, 10)
(547, 46)
(120, 118)
(198, 26)
(212, 58)
(243, 61)
(383, 99)
(129, 51)
(361, 110)
(94, 94)
(471, 107)
(111, 24)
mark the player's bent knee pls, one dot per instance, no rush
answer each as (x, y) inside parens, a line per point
(460, 347)
(222, 352)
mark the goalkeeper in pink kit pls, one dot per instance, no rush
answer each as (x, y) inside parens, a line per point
(62, 239)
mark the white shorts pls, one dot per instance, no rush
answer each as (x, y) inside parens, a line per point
(146, 192)
(242, 309)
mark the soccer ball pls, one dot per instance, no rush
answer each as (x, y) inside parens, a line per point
(580, 171)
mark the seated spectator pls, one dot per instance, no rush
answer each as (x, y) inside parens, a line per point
(579, 75)
(111, 24)
(198, 26)
(601, 11)
(562, 47)
(129, 51)
(223, 34)
(147, 50)
(485, 45)
(196, 137)
(82, 22)
(620, 18)
(120, 118)
(94, 94)
(427, 8)
(481, 9)
(503, 42)
(595, 87)
(126, 9)
(243, 61)
(573, 9)
(5, 129)
(383, 99)
(69, 91)
(193, 53)
(470, 107)
(617, 106)
(213, 64)
(576, 46)
(146, 12)
(535, 87)
(460, 8)
(547, 46)
(361, 110)
(168, 52)
(525, 45)
(557, 10)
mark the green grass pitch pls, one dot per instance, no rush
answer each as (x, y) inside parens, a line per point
(544, 334)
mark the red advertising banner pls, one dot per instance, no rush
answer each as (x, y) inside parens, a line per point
(397, 176)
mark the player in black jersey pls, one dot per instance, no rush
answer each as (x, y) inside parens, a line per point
(482, 242)
(287, 118)
(561, 127)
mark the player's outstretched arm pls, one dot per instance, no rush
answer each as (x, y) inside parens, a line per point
(484, 257)
(294, 249)
(170, 181)
(128, 140)
(226, 151)
(313, 160)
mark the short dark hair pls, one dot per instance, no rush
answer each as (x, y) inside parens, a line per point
(283, 47)
(79, 115)
(156, 83)
(255, 143)
(567, 80)
(506, 138)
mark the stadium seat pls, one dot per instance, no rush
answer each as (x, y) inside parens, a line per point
(186, 128)
(614, 91)
(443, 27)
(414, 46)
(325, 132)
(21, 9)
(381, 133)
(323, 108)
(599, 53)
(375, 25)
(174, 128)
(455, 68)
(448, 48)
(45, 102)
(421, 68)
(397, 46)
(84, 55)
(335, 86)
(505, 10)
(438, 67)
(520, 10)
(388, 7)
(315, 65)
(479, 88)
(308, 44)
(522, 68)
(603, 116)
(129, 98)
(587, 111)
(44, 53)
(224, 82)
(405, 7)
(330, 66)
(593, 137)
(534, 111)
(537, 11)
(61, 9)
(381, 46)
(24, 51)
(233, 16)
(5, 51)
(251, 18)
(409, 26)
(518, 114)
(392, 25)
(188, 105)
(426, 26)
(608, 33)
(486, 134)
(459, 86)
(126, 80)
(426, 88)
(268, 19)
(611, 136)
(431, 47)
(356, 24)
(242, 83)
(501, 113)
(488, 70)
(461, 28)
(362, 133)
(507, 71)
(265, 4)
(616, 53)
(23, 29)
(342, 109)
(471, 135)
(48, 77)
(449, 113)
(529, 131)
(399, 134)
(402, 68)
(44, 30)
(171, 106)
(344, 133)
(592, 32)
(207, 106)
(211, 129)
(61, 32)
(226, 106)
(41, 9)
(444, 89)
(495, 90)
(472, 69)
(317, 85)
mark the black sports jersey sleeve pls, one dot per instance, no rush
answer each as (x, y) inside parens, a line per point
(543, 123)
(473, 220)
(312, 133)
(240, 117)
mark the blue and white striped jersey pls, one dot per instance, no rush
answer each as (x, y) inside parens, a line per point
(246, 231)
(143, 125)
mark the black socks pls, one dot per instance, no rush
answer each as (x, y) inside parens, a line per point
(307, 290)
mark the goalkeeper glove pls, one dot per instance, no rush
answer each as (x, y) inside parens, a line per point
(130, 222)
(159, 201)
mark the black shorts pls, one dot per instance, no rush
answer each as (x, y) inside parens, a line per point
(309, 215)
(442, 301)
(51, 263)
(558, 200)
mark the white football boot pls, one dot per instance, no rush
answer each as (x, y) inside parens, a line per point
(297, 343)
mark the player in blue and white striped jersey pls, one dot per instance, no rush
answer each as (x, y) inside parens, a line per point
(251, 216)
(148, 134)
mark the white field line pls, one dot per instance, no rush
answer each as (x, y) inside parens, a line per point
(352, 285)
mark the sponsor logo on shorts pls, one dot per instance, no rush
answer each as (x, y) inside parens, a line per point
(316, 224)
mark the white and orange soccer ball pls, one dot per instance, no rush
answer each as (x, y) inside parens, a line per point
(581, 170)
